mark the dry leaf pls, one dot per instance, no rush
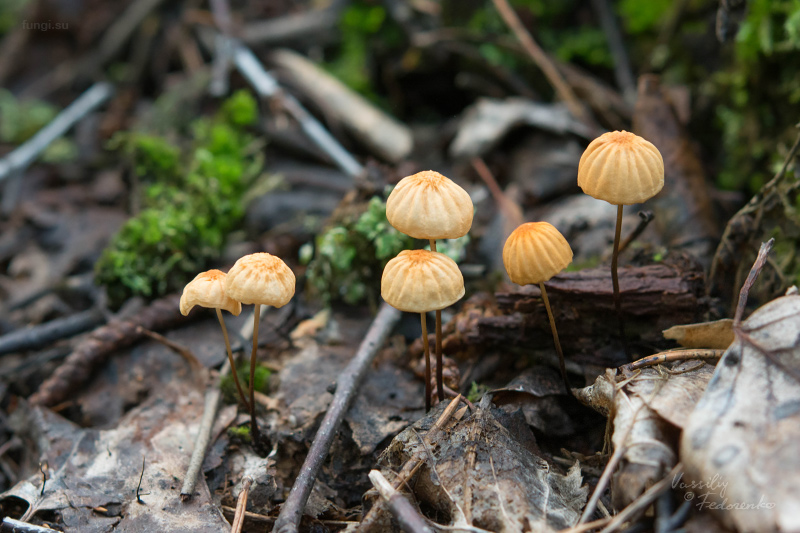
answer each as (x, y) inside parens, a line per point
(741, 445)
(717, 335)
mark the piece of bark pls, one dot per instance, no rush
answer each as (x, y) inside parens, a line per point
(685, 216)
(104, 341)
(653, 298)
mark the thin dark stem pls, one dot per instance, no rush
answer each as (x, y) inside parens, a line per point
(255, 435)
(439, 362)
(615, 280)
(427, 349)
(230, 360)
(561, 364)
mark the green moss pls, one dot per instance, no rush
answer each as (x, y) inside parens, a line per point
(348, 259)
(192, 199)
(228, 386)
(476, 392)
(21, 119)
(241, 433)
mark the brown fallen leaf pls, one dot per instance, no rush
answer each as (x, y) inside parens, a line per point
(741, 444)
(716, 335)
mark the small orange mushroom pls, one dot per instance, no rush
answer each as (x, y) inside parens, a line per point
(428, 205)
(260, 279)
(532, 254)
(419, 281)
(622, 169)
(207, 289)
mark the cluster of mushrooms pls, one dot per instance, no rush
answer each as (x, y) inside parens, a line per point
(618, 167)
(259, 279)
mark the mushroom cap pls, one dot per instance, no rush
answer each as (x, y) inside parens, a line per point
(621, 168)
(207, 289)
(428, 205)
(418, 281)
(260, 279)
(535, 252)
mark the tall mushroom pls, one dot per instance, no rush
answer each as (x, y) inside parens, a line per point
(419, 281)
(532, 254)
(427, 205)
(622, 169)
(207, 289)
(260, 279)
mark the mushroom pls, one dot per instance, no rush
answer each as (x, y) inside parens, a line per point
(419, 281)
(260, 279)
(207, 289)
(622, 169)
(532, 254)
(427, 205)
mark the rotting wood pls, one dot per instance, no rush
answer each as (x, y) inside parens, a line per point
(661, 294)
(104, 341)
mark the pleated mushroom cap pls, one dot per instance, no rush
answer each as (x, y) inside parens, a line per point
(418, 281)
(428, 205)
(207, 289)
(621, 168)
(260, 279)
(535, 252)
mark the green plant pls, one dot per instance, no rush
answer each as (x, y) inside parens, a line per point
(191, 198)
(348, 258)
(476, 392)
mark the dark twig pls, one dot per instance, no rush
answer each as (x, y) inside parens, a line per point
(542, 60)
(761, 260)
(139, 486)
(41, 335)
(26, 153)
(267, 87)
(346, 389)
(408, 517)
(645, 218)
(102, 343)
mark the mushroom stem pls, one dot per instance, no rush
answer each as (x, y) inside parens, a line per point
(230, 360)
(615, 279)
(255, 434)
(427, 349)
(439, 364)
(561, 364)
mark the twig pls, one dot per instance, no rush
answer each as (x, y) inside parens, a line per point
(267, 87)
(408, 517)
(34, 337)
(594, 524)
(100, 344)
(622, 64)
(763, 252)
(185, 353)
(213, 396)
(25, 154)
(674, 355)
(10, 525)
(645, 217)
(346, 388)
(643, 502)
(542, 61)
(139, 486)
(241, 505)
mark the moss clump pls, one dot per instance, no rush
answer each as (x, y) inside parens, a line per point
(192, 198)
(228, 386)
(476, 392)
(348, 259)
(240, 433)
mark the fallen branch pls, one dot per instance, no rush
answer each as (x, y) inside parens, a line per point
(10, 525)
(542, 60)
(408, 517)
(26, 153)
(41, 335)
(267, 87)
(104, 341)
(213, 396)
(346, 389)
